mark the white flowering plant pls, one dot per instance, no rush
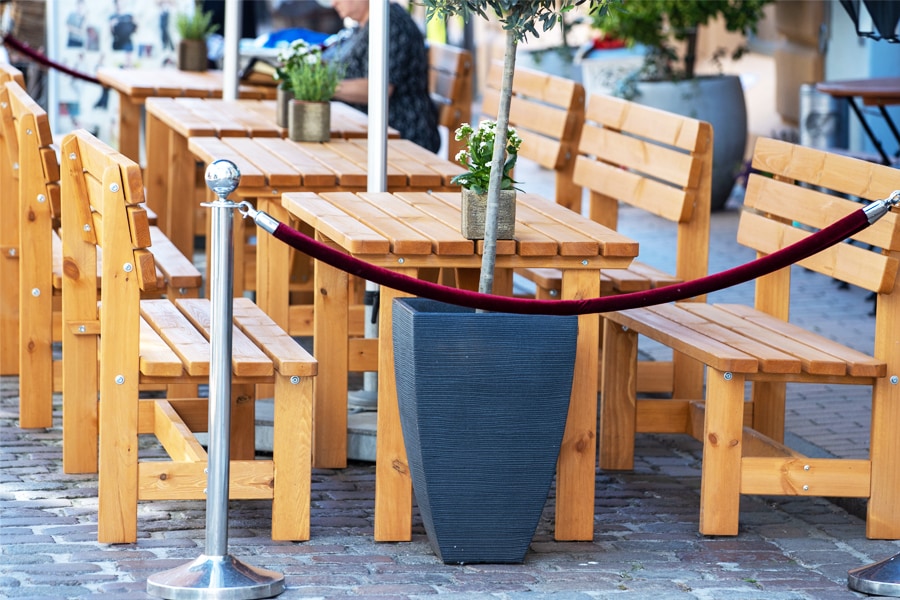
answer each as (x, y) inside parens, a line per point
(478, 154)
(305, 72)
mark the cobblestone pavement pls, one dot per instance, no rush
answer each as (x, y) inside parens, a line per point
(646, 542)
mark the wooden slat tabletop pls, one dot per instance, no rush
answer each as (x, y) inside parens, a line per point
(204, 116)
(336, 165)
(418, 223)
(143, 83)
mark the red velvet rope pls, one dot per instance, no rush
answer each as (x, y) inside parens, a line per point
(834, 233)
(36, 56)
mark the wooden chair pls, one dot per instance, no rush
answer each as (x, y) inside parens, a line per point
(450, 83)
(660, 163)
(547, 112)
(138, 340)
(9, 236)
(40, 265)
(801, 189)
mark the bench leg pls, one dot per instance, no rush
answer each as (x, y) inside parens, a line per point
(292, 455)
(117, 488)
(243, 422)
(720, 483)
(618, 401)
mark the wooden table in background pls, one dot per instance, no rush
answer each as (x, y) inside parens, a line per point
(136, 85)
(414, 232)
(272, 166)
(170, 174)
(880, 92)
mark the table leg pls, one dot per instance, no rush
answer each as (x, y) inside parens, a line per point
(155, 176)
(865, 125)
(330, 331)
(393, 486)
(130, 128)
(576, 473)
(273, 260)
(890, 123)
(181, 195)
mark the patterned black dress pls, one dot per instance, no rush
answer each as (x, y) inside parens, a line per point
(410, 109)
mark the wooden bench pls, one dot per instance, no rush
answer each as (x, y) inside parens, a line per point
(660, 163)
(547, 111)
(9, 237)
(135, 341)
(40, 265)
(450, 84)
(799, 190)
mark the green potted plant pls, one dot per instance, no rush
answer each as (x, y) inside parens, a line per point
(193, 28)
(667, 31)
(476, 156)
(310, 85)
(483, 404)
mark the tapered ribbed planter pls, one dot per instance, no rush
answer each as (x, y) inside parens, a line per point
(483, 404)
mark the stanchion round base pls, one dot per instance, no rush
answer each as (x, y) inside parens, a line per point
(219, 577)
(363, 400)
(880, 579)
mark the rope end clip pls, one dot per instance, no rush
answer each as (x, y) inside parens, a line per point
(263, 220)
(878, 209)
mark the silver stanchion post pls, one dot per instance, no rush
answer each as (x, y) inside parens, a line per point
(215, 574)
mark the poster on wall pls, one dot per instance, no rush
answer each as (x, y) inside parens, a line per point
(85, 36)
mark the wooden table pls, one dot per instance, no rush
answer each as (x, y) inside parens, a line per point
(272, 166)
(415, 232)
(136, 85)
(170, 168)
(879, 92)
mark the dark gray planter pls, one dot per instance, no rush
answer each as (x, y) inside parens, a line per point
(483, 404)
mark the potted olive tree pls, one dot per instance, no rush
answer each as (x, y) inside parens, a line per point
(484, 396)
(193, 29)
(666, 31)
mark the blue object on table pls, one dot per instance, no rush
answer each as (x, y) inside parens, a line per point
(285, 36)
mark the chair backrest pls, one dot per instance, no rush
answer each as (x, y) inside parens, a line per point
(450, 83)
(33, 200)
(547, 112)
(805, 190)
(9, 227)
(102, 194)
(654, 160)
(8, 145)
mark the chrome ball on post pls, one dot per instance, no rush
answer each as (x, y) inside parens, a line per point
(222, 177)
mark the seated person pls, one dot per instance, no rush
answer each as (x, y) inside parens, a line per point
(410, 109)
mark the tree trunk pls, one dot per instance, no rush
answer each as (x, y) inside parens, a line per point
(489, 257)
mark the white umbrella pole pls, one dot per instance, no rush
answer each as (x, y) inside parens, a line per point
(232, 35)
(379, 27)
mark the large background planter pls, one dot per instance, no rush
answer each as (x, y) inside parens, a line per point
(483, 404)
(718, 100)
